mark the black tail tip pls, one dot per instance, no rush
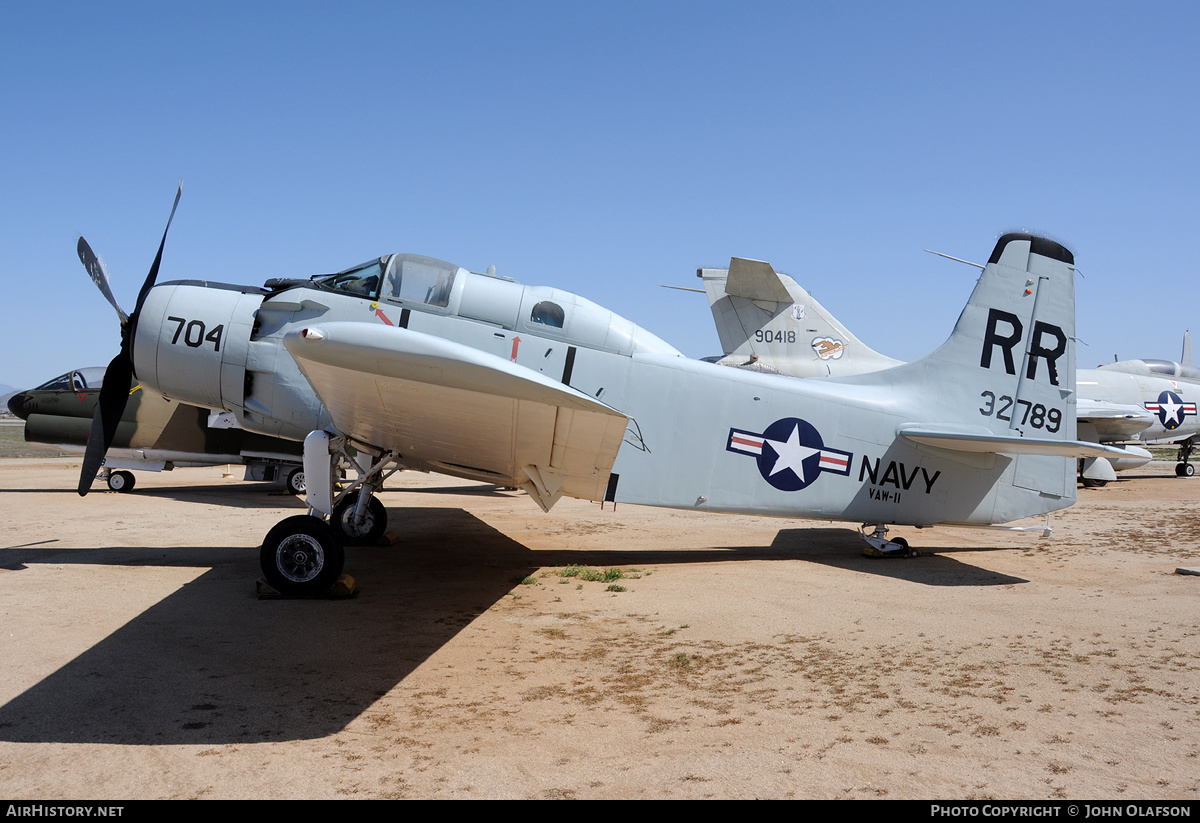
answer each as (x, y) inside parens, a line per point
(1037, 245)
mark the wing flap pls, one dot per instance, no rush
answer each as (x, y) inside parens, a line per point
(459, 410)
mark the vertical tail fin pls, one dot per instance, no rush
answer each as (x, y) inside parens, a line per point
(1004, 382)
(767, 322)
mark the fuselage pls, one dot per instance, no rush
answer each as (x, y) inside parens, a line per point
(699, 436)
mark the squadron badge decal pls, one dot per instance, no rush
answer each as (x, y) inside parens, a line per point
(791, 454)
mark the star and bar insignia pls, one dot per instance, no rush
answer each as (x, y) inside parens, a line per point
(791, 454)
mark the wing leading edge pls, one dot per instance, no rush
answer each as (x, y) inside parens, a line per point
(455, 409)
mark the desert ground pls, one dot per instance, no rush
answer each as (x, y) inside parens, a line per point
(715, 656)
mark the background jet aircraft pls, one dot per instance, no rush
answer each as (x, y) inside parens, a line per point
(154, 434)
(1171, 393)
(411, 360)
(1147, 401)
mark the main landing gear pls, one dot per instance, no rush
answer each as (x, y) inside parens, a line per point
(121, 481)
(879, 546)
(1184, 468)
(303, 555)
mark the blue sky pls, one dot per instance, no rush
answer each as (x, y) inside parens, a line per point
(603, 148)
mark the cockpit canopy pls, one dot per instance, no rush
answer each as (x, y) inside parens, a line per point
(410, 278)
(1155, 368)
(76, 381)
(434, 286)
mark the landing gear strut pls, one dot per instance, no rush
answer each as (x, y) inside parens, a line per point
(303, 555)
(1184, 468)
(879, 546)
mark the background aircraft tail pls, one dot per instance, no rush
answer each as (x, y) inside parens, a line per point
(768, 322)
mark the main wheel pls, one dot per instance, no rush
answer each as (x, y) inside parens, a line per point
(295, 481)
(121, 481)
(1089, 483)
(373, 524)
(301, 556)
(1185, 470)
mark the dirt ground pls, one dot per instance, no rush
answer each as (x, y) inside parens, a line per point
(734, 657)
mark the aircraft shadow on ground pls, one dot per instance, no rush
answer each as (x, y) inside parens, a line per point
(212, 664)
(242, 495)
(843, 549)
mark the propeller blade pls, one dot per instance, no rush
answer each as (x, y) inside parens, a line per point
(114, 394)
(153, 275)
(99, 274)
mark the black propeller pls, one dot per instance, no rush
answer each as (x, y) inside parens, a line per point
(114, 391)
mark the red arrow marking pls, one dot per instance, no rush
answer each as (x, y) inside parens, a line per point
(379, 313)
(516, 343)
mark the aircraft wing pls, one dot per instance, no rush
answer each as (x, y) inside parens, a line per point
(989, 442)
(1114, 421)
(458, 410)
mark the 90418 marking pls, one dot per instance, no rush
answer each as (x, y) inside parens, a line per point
(1031, 414)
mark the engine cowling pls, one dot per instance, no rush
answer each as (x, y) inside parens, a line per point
(191, 340)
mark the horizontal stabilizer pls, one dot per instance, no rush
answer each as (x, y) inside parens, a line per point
(988, 442)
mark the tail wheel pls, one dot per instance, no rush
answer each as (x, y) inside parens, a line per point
(373, 524)
(301, 556)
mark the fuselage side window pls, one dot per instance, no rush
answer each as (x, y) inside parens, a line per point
(548, 313)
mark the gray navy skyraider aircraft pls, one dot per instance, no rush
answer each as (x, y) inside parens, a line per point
(414, 362)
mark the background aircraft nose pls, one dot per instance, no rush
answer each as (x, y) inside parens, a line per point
(16, 405)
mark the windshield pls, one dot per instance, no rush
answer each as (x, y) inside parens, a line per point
(361, 280)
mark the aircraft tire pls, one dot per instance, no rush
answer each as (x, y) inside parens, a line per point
(295, 481)
(1185, 470)
(301, 556)
(1089, 483)
(121, 481)
(373, 526)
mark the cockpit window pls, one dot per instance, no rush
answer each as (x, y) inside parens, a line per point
(548, 314)
(60, 383)
(415, 279)
(78, 380)
(85, 379)
(361, 280)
